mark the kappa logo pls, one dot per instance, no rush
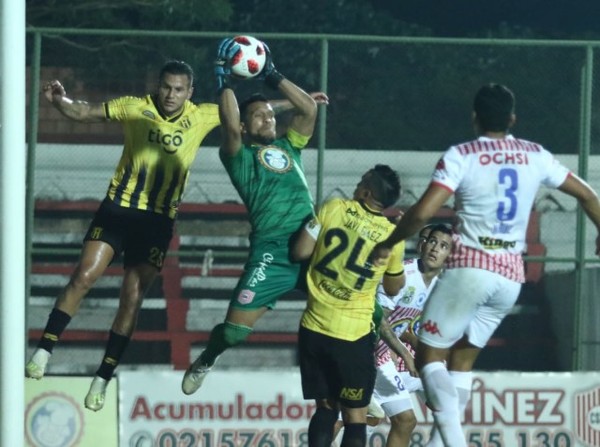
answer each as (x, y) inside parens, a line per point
(587, 404)
(431, 327)
(275, 159)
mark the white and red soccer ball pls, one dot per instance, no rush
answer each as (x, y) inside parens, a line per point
(250, 59)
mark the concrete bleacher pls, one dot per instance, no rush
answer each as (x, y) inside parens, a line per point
(186, 301)
(192, 293)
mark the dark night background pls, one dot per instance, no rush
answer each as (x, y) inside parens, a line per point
(469, 18)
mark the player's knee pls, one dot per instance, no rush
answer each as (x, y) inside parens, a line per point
(404, 422)
(234, 334)
(372, 421)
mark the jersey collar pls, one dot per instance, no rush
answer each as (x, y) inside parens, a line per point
(369, 210)
(170, 119)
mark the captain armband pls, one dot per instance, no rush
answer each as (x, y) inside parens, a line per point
(313, 227)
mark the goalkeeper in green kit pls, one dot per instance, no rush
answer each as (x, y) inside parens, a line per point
(268, 174)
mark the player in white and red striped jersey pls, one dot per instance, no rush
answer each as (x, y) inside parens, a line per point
(495, 179)
(394, 382)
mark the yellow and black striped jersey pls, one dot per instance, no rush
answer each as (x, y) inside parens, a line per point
(341, 282)
(158, 152)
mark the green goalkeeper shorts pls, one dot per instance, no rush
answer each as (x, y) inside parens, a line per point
(268, 275)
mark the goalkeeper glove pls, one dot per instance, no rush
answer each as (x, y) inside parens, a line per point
(227, 49)
(269, 74)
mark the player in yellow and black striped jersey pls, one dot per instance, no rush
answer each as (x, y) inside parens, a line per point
(158, 152)
(163, 133)
(336, 337)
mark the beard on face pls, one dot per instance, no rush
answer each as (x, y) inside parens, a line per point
(262, 139)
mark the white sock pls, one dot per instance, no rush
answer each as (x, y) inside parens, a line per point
(442, 395)
(435, 438)
(463, 381)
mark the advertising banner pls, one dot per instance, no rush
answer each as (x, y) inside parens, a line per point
(249, 408)
(55, 415)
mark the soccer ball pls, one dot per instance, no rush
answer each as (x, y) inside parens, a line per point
(250, 58)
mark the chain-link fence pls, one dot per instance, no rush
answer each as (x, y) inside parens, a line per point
(394, 100)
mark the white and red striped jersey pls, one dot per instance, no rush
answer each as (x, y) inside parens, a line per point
(495, 182)
(406, 307)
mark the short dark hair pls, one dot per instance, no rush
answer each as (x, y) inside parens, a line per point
(441, 228)
(427, 228)
(177, 68)
(494, 105)
(385, 185)
(254, 97)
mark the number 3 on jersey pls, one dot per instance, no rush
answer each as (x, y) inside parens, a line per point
(508, 182)
(339, 237)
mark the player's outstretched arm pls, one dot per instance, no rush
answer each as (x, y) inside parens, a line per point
(587, 198)
(417, 215)
(392, 284)
(229, 114)
(283, 105)
(305, 107)
(73, 109)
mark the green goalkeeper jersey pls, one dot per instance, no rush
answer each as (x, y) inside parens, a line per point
(270, 180)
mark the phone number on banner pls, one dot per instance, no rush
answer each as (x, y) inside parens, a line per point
(221, 438)
(492, 438)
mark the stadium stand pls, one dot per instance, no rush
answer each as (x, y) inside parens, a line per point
(207, 255)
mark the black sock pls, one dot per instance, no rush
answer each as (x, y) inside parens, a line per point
(114, 350)
(57, 322)
(320, 428)
(355, 435)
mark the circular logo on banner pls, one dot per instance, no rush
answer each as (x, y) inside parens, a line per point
(275, 159)
(53, 420)
(593, 418)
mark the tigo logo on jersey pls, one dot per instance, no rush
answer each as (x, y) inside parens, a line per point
(246, 296)
(169, 142)
(275, 159)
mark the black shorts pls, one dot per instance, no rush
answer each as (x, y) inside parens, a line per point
(337, 369)
(141, 236)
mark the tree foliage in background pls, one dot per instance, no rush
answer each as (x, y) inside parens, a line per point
(383, 95)
(94, 57)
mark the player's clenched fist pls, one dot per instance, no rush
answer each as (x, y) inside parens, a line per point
(54, 91)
